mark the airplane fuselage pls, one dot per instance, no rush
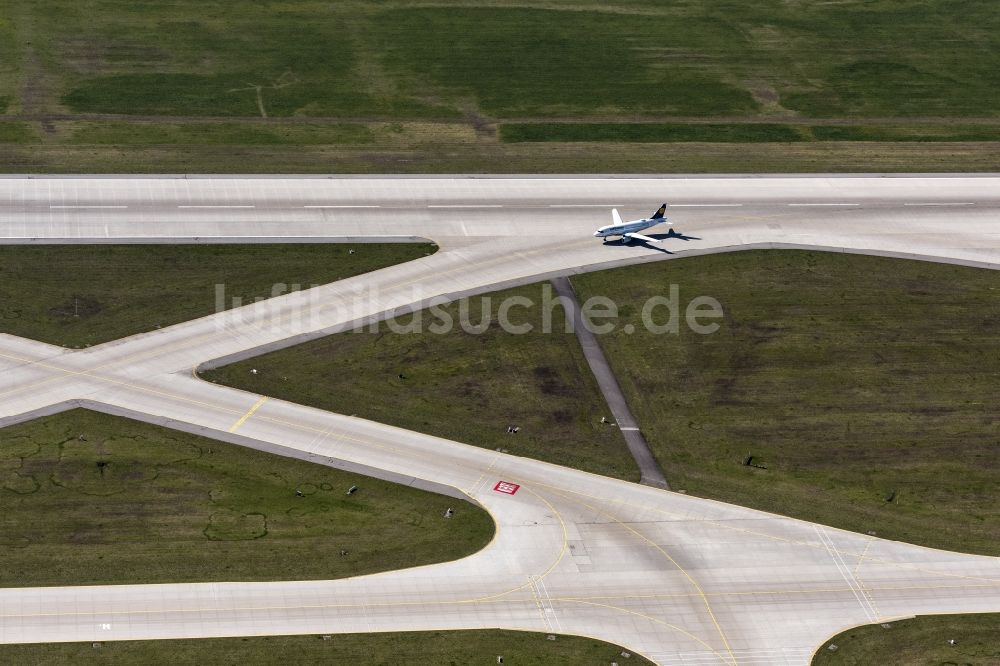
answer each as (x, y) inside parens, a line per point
(627, 228)
(629, 231)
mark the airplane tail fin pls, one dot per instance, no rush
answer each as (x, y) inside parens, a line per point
(615, 217)
(659, 212)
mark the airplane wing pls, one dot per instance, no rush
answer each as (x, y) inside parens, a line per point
(616, 217)
(640, 237)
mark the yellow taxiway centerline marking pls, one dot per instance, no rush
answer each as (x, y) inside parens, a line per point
(250, 412)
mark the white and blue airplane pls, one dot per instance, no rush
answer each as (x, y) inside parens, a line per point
(627, 230)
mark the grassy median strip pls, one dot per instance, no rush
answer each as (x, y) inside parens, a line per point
(147, 72)
(438, 647)
(925, 639)
(81, 295)
(858, 392)
(91, 499)
(466, 386)
(639, 132)
(405, 61)
(651, 132)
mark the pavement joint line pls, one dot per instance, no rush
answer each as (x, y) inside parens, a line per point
(796, 542)
(664, 623)
(539, 605)
(859, 593)
(691, 579)
(250, 412)
(555, 615)
(861, 558)
(435, 602)
(489, 468)
(785, 592)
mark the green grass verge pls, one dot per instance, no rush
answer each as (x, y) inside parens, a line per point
(91, 499)
(916, 642)
(517, 61)
(586, 59)
(951, 132)
(437, 648)
(434, 154)
(651, 132)
(739, 132)
(17, 133)
(65, 64)
(124, 133)
(81, 295)
(463, 386)
(865, 386)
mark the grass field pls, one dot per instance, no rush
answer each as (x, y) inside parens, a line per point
(458, 77)
(463, 386)
(917, 642)
(739, 132)
(91, 499)
(81, 295)
(429, 648)
(865, 387)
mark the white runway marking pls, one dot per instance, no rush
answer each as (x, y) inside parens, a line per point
(939, 204)
(465, 205)
(824, 204)
(586, 205)
(70, 207)
(705, 205)
(344, 206)
(215, 206)
(845, 571)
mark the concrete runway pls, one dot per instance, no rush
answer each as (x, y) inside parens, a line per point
(679, 579)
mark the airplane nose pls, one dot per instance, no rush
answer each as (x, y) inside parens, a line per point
(597, 233)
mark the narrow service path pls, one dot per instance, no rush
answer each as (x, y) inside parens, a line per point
(649, 470)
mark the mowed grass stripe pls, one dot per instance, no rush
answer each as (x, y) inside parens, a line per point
(651, 132)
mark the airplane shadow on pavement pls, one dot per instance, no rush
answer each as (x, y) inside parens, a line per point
(675, 235)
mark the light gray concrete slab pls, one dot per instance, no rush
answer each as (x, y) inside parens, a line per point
(679, 579)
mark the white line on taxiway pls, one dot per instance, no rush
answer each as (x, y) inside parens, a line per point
(939, 204)
(465, 205)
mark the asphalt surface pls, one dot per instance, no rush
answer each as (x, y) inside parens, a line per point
(679, 579)
(650, 473)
